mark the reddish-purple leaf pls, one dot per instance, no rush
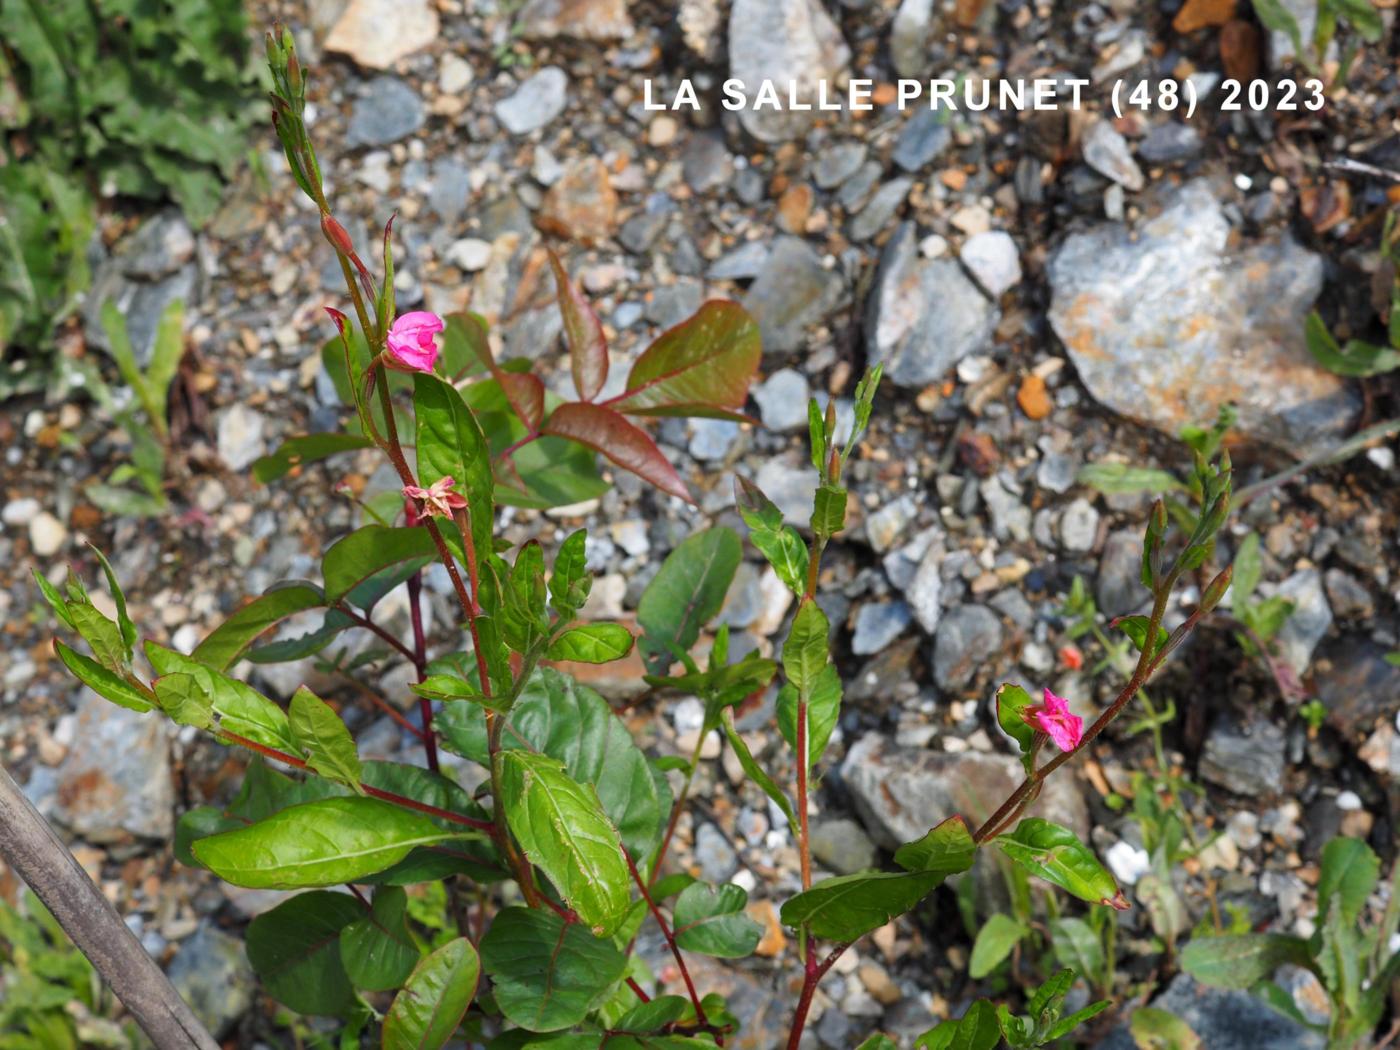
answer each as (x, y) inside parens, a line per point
(623, 442)
(525, 393)
(701, 367)
(588, 349)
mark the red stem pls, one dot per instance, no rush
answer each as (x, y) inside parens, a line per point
(370, 625)
(802, 840)
(420, 661)
(670, 937)
(814, 973)
(370, 790)
(637, 990)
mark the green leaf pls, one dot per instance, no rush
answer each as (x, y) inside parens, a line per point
(426, 1013)
(995, 940)
(947, 848)
(823, 711)
(1155, 1029)
(546, 975)
(1056, 855)
(1135, 627)
(1241, 960)
(320, 843)
(685, 594)
(755, 772)
(304, 645)
(829, 510)
(241, 709)
(571, 582)
(323, 740)
(1077, 946)
(102, 634)
(377, 949)
(849, 906)
(878, 1041)
(1012, 702)
(451, 444)
(524, 619)
(223, 646)
(1114, 478)
(181, 698)
(561, 827)
(106, 684)
(308, 448)
(1247, 569)
(1350, 871)
(594, 643)
(295, 951)
(56, 601)
(711, 920)
(978, 1029)
(1065, 1025)
(805, 653)
(703, 364)
(780, 544)
(368, 550)
(1358, 359)
(127, 628)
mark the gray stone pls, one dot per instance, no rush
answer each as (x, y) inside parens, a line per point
(909, 37)
(794, 44)
(639, 232)
(1079, 525)
(1167, 323)
(966, 637)
(1224, 1020)
(672, 303)
(1307, 623)
(1247, 759)
(580, 19)
(718, 861)
(1347, 595)
(993, 261)
(742, 263)
(790, 487)
(1170, 142)
(1357, 683)
(160, 247)
(1119, 588)
(452, 188)
(835, 164)
(1011, 519)
(925, 590)
(1056, 472)
(924, 137)
(899, 793)
(1304, 15)
(211, 972)
(792, 291)
(877, 625)
(884, 526)
(114, 784)
(241, 436)
(880, 209)
(782, 400)
(706, 162)
(386, 110)
(856, 190)
(842, 846)
(535, 103)
(1108, 153)
(711, 439)
(924, 315)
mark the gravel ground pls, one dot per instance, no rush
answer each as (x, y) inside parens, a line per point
(1046, 290)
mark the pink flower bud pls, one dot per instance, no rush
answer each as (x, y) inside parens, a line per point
(411, 344)
(1054, 719)
(436, 501)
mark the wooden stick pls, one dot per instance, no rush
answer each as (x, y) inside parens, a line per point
(30, 846)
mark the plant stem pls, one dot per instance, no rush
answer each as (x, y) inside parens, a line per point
(670, 937)
(387, 796)
(803, 842)
(380, 632)
(676, 812)
(814, 972)
(420, 652)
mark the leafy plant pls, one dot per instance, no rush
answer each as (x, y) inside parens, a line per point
(1358, 357)
(508, 916)
(144, 417)
(1355, 963)
(1359, 15)
(109, 98)
(50, 998)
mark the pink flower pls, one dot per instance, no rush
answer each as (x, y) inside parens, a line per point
(435, 501)
(1054, 719)
(411, 340)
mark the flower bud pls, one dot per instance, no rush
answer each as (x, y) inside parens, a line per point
(1215, 590)
(337, 235)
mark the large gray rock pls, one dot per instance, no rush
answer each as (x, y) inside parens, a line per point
(1167, 323)
(1246, 758)
(1224, 1020)
(147, 271)
(212, 974)
(114, 785)
(535, 103)
(387, 110)
(924, 315)
(792, 291)
(1307, 623)
(966, 638)
(791, 43)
